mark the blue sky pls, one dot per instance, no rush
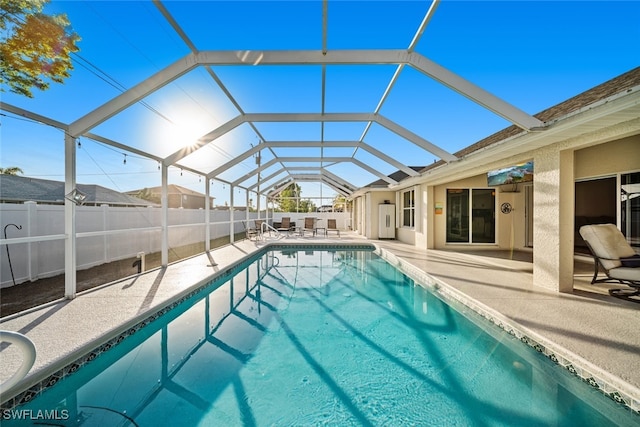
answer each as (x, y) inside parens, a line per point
(532, 54)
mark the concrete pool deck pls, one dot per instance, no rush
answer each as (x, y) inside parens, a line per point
(599, 329)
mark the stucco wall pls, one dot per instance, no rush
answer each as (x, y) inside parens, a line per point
(377, 198)
(610, 158)
(510, 228)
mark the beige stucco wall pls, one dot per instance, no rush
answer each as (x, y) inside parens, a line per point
(376, 198)
(356, 215)
(510, 228)
(553, 218)
(610, 158)
(556, 170)
(598, 160)
(406, 235)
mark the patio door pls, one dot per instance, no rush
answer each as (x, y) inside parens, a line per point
(630, 208)
(595, 203)
(471, 215)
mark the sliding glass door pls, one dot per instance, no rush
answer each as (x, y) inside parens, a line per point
(630, 208)
(471, 215)
(457, 215)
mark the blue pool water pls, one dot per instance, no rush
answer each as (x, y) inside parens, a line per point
(316, 337)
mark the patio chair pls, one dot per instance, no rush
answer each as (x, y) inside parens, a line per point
(612, 252)
(309, 225)
(331, 226)
(251, 233)
(285, 225)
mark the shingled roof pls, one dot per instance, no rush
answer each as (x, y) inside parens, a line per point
(397, 175)
(18, 189)
(171, 189)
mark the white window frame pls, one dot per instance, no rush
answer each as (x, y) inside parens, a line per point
(470, 240)
(411, 208)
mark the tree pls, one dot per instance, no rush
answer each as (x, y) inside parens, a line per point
(288, 199)
(306, 206)
(11, 170)
(341, 204)
(35, 48)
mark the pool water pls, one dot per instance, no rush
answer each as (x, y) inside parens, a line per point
(317, 337)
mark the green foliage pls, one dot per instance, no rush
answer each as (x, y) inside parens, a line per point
(286, 199)
(289, 200)
(35, 47)
(11, 170)
(341, 204)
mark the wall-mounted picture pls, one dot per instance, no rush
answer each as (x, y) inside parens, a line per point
(512, 175)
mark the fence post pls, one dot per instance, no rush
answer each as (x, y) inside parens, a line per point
(231, 216)
(32, 247)
(105, 227)
(151, 236)
(207, 215)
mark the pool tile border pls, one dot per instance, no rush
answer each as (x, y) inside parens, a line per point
(622, 393)
(50, 380)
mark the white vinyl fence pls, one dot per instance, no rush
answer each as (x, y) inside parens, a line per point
(106, 234)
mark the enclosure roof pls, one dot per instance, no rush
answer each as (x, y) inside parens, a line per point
(256, 95)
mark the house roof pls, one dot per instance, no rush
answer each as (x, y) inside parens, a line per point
(171, 189)
(17, 189)
(397, 175)
(623, 83)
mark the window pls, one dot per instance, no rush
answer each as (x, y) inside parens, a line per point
(408, 208)
(471, 215)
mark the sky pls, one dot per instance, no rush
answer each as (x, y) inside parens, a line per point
(532, 54)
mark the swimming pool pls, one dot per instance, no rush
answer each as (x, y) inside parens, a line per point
(320, 337)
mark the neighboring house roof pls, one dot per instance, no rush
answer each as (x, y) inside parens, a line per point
(17, 189)
(171, 189)
(397, 176)
(620, 84)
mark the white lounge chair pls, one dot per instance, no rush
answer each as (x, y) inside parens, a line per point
(614, 254)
